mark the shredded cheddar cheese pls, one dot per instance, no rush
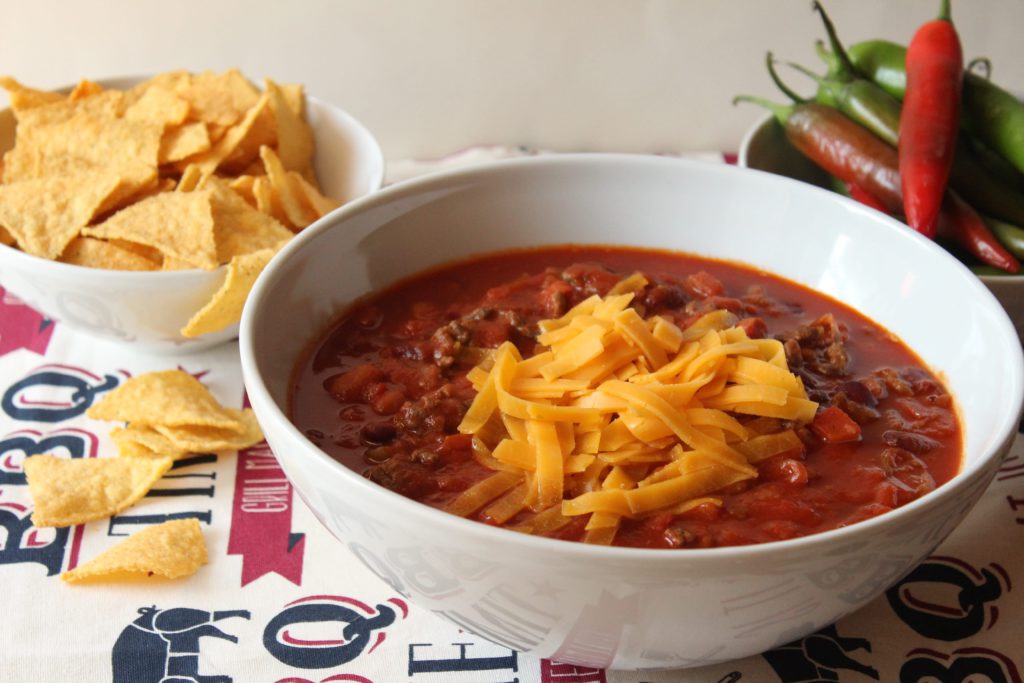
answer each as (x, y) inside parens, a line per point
(622, 417)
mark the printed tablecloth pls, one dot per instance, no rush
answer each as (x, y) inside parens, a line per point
(283, 601)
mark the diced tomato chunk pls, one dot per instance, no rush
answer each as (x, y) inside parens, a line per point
(754, 327)
(352, 385)
(456, 442)
(703, 284)
(492, 334)
(833, 425)
(727, 303)
(705, 512)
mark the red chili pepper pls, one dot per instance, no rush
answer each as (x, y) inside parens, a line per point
(968, 229)
(930, 119)
(864, 197)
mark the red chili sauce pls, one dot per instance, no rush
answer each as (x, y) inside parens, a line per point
(384, 390)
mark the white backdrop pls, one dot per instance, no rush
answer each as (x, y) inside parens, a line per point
(431, 76)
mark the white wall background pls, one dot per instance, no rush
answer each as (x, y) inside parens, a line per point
(432, 76)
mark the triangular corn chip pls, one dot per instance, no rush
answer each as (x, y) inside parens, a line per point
(172, 550)
(77, 490)
(294, 137)
(45, 214)
(238, 227)
(213, 439)
(225, 308)
(169, 397)
(142, 440)
(179, 224)
(183, 141)
(93, 253)
(296, 210)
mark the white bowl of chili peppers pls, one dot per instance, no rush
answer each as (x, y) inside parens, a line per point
(589, 407)
(959, 152)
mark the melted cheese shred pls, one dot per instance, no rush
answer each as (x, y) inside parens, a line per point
(618, 416)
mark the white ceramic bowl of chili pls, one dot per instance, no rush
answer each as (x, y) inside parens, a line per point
(620, 607)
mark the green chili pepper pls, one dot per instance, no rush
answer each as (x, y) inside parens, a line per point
(985, 189)
(995, 117)
(884, 62)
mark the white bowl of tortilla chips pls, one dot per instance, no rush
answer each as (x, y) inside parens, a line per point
(141, 210)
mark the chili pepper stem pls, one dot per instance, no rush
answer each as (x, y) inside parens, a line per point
(807, 72)
(944, 11)
(781, 112)
(840, 66)
(770, 61)
(824, 55)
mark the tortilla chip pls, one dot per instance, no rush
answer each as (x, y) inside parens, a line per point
(85, 88)
(316, 201)
(173, 550)
(6, 238)
(22, 98)
(254, 169)
(168, 397)
(21, 161)
(294, 137)
(94, 253)
(242, 185)
(295, 96)
(44, 215)
(178, 224)
(90, 142)
(238, 227)
(107, 105)
(183, 141)
(219, 99)
(78, 490)
(296, 211)
(241, 143)
(190, 179)
(159, 106)
(146, 252)
(142, 440)
(174, 263)
(134, 449)
(225, 308)
(87, 143)
(214, 439)
(266, 200)
(171, 81)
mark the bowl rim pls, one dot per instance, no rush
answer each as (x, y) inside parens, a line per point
(743, 160)
(260, 396)
(130, 80)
